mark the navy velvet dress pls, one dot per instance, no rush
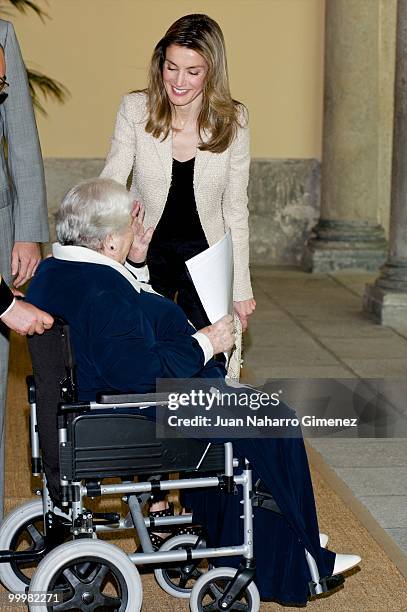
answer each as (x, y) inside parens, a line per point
(124, 340)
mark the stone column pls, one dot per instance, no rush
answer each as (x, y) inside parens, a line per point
(387, 297)
(348, 234)
(387, 64)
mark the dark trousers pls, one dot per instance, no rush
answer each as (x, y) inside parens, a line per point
(169, 275)
(280, 540)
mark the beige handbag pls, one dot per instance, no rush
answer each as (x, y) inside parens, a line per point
(235, 359)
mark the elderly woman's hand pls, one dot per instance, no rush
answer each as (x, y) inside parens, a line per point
(142, 239)
(221, 334)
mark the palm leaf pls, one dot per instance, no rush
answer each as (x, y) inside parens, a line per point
(47, 87)
(23, 6)
(38, 83)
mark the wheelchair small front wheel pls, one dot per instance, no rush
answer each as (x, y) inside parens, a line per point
(93, 574)
(178, 578)
(22, 529)
(210, 588)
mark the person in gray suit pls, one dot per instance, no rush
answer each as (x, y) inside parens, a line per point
(23, 210)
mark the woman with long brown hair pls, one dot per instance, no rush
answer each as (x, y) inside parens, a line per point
(186, 142)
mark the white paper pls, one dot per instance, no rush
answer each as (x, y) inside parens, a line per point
(212, 274)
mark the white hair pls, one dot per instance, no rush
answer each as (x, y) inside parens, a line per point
(91, 211)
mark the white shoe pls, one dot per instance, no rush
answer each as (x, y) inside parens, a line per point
(323, 540)
(343, 563)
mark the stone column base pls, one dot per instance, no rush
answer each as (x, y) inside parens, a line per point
(339, 245)
(389, 307)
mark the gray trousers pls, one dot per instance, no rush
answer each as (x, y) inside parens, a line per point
(4, 350)
(6, 244)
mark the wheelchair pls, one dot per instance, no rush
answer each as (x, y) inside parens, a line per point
(77, 448)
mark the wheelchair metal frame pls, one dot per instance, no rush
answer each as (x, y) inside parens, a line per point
(135, 502)
(80, 523)
(72, 518)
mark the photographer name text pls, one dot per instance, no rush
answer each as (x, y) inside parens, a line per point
(256, 421)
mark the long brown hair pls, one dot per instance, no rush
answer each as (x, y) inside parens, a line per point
(220, 115)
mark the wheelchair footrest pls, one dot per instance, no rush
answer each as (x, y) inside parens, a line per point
(263, 499)
(106, 518)
(328, 583)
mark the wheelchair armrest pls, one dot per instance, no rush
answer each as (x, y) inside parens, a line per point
(137, 400)
(65, 408)
(144, 399)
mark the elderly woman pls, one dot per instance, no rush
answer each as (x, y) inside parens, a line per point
(125, 336)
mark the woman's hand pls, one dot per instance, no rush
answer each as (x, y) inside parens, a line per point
(243, 310)
(142, 239)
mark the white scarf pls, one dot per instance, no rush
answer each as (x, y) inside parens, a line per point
(84, 255)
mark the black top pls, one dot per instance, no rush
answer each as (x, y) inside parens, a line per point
(180, 219)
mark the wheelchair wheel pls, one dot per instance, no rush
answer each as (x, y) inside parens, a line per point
(22, 529)
(178, 579)
(97, 576)
(210, 587)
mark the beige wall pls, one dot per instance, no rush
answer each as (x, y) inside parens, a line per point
(100, 49)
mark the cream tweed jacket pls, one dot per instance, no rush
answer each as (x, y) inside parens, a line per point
(220, 182)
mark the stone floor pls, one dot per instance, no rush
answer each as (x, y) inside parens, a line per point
(312, 326)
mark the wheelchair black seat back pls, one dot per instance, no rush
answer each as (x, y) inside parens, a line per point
(53, 381)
